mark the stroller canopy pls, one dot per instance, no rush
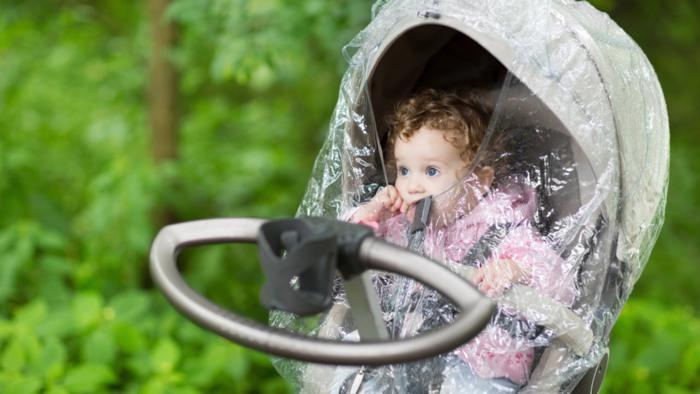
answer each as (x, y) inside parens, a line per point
(578, 100)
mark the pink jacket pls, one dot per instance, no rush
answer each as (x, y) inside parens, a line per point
(495, 353)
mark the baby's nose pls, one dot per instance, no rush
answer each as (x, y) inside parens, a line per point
(416, 187)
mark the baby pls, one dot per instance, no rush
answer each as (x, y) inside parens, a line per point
(433, 141)
(432, 147)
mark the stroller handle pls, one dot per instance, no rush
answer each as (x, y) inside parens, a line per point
(475, 308)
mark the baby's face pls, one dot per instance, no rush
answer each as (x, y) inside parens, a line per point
(426, 165)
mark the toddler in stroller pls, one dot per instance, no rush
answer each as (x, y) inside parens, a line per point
(475, 225)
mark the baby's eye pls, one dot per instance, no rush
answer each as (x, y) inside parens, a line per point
(432, 171)
(403, 171)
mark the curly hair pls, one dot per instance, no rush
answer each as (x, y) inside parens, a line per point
(462, 119)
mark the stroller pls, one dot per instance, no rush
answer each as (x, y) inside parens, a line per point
(578, 117)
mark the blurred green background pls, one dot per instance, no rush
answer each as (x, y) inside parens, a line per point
(85, 183)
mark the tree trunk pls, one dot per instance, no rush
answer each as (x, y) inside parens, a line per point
(162, 109)
(162, 89)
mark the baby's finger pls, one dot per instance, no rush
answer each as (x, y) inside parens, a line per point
(405, 207)
(387, 202)
(394, 196)
(398, 203)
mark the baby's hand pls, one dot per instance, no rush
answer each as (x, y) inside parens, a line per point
(496, 276)
(386, 200)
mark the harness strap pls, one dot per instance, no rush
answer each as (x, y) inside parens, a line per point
(485, 246)
(416, 233)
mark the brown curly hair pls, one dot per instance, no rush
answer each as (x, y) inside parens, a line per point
(463, 120)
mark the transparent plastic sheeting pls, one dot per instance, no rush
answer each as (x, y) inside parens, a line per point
(579, 140)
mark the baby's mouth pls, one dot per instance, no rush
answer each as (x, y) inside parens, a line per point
(413, 201)
(416, 200)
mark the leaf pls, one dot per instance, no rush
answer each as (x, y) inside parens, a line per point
(6, 329)
(674, 389)
(140, 365)
(165, 355)
(32, 313)
(18, 384)
(13, 260)
(57, 390)
(128, 338)
(13, 357)
(31, 346)
(88, 378)
(53, 359)
(99, 348)
(276, 385)
(51, 240)
(87, 308)
(131, 306)
(204, 369)
(690, 365)
(155, 385)
(59, 323)
(162, 383)
(185, 390)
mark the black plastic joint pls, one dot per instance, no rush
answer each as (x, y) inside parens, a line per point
(299, 258)
(349, 238)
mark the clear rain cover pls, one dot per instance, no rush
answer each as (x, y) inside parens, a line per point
(578, 136)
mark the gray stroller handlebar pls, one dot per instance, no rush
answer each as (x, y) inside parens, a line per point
(475, 308)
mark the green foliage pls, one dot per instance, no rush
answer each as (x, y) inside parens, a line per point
(133, 342)
(80, 192)
(655, 350)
